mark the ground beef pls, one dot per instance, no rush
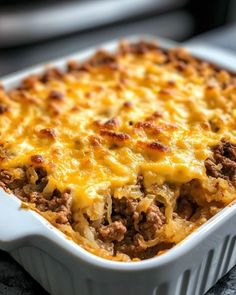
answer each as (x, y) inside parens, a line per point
(212, 169)
(59, 202)
(130, 228)
(8, 182)
(124, 206)
(112, 232)
(153, 220)
(42, 178)
(5, 176)
(186, 208)
(140, 182)
(223, 162)
(136, 249)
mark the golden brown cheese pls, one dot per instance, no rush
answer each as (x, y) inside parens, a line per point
(98, 126)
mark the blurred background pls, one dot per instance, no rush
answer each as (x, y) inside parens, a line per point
(35, 31)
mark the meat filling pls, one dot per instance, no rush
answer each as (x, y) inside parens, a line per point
(31, 191)
(130, 228)
(223, 163)
(112, 232)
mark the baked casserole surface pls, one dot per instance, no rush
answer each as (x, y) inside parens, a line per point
(126, 153)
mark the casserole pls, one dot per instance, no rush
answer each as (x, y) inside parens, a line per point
(122, 282)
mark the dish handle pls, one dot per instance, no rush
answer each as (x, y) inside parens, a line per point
(16, 224)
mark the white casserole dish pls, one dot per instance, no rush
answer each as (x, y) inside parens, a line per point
(62, 267)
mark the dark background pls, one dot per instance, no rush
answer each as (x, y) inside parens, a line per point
(29, 34)
(37, 31)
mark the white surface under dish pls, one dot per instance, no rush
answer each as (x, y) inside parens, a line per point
(64, 268)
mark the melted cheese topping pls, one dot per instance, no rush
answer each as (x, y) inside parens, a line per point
(98, 128)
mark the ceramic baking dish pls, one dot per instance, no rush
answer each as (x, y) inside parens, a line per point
(64, 268)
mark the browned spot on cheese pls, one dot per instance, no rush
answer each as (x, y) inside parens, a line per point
(154, 116)
(72, 65)
(115, 135)
(165, 92)
(75, 109)
(37, 159)
(95, 140)
(56, 95)
(138, 48)
(148, 126)
(205, 125)
(51, 74)
(111, 123)
(101, 59)
(171, 83)
(54, 108)
(181, 66)
(128, 104)
(169, 126)
(29, 82)
(154, 145)
(3, 108)
(48, 132)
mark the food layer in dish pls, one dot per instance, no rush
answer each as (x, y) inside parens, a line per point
(126, 153)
